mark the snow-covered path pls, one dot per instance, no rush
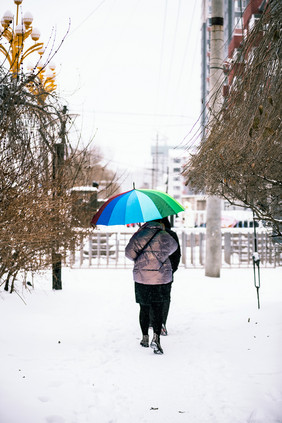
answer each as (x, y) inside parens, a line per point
(73, 356)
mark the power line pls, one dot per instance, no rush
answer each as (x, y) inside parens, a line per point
(161, 57)
(186, 48)
(173, 51)
(164, 115)
(87, 17)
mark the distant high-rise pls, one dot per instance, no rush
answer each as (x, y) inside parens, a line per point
(168, 163)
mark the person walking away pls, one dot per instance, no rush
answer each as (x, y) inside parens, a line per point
(150, 248)
(175, 260)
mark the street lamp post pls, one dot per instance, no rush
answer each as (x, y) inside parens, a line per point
(14, 37)
(58, 161)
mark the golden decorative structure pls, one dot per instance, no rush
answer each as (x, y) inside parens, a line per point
(15, 52)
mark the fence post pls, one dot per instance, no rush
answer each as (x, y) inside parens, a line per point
(72, 254)
(201, 248)
(270, 252)
(261, 248)
(240, 248)
(192, 245)
(107, 248)
(99, 248)
(227, 247)
(81, 249)
(117, 248)
(90, 249)
(249, 247)
(184, 244)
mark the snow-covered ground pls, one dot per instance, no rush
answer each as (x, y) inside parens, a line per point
(73, 356)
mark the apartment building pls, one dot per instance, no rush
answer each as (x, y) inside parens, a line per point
(167, 166)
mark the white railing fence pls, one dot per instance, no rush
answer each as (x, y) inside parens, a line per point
(100, 249)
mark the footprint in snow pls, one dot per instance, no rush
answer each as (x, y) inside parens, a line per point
(55, 419)
(43, 399)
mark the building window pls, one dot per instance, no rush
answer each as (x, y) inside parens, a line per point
(201, 205)
(238, 22)
(238, 5)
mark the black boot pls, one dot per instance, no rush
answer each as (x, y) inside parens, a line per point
(164, 330)
(145, 341)
(156, 345)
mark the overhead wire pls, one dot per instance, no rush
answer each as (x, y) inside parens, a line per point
(198, 135)
(161, 63)
(194, 127)
(195, 135)
(87, 17)
(167, 85)
(196, 130)
(186, 49)
(161, 59)
(172, 56)
(164, 115)
(165, 17)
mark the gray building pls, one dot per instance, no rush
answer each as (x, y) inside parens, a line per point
(167, 166)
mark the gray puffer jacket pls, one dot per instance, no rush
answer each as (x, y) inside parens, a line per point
(150, 248)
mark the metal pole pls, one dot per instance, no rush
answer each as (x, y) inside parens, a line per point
(256, 262)
(56, 257)
(58, 162)
(213, 224)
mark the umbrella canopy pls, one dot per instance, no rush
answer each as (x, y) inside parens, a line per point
(137, 205)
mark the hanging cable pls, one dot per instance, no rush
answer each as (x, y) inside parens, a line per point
(161, 59)
(87, 17)
(172, 53)
(186, 49)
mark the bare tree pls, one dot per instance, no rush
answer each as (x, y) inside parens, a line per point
(91, 166)
(91, 171)
(241, 158)
(38, 168)
(35, 211)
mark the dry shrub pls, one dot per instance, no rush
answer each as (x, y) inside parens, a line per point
(35, 204)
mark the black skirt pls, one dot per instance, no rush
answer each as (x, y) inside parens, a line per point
(147, 294)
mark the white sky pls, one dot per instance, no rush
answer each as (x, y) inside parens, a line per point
(129, 68)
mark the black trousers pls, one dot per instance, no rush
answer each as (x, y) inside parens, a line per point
(165, 313)
(155, 311)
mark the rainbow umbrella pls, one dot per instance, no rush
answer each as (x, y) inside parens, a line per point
(137, 205)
